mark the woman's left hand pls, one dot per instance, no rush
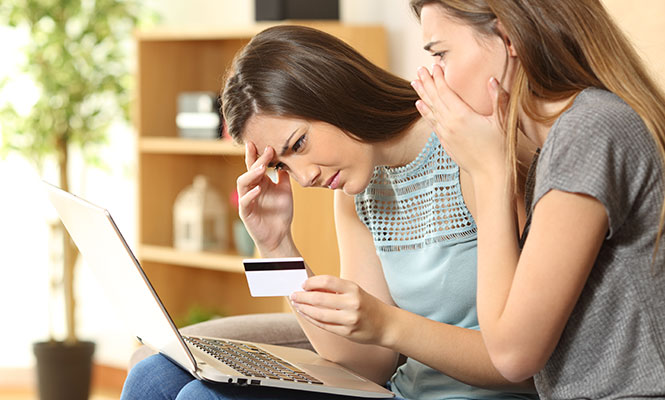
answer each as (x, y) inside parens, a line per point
(475, 142)
(342, 307)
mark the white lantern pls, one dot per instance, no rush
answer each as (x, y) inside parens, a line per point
(199, 218)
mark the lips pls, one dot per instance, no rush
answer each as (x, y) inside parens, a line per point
(333, 182)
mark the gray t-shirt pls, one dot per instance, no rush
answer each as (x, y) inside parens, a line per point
(613, 345)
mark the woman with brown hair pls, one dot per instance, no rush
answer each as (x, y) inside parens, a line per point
(578, 302)
(310, 106)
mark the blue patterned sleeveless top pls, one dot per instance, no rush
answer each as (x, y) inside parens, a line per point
(426, 240)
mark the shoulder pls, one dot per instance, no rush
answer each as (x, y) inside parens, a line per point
(598, 104)
(601, 124)
(599, 147)
(598, 115)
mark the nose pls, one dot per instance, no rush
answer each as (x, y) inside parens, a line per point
(306, 176)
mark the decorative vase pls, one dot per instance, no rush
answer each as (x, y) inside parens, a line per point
(199, 218)
(243, 242)
(64, 370)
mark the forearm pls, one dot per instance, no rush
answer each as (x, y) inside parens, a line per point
(372, 362)
(457, 352)
(498, 254)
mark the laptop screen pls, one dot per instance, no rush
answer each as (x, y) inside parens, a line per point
(105, 251)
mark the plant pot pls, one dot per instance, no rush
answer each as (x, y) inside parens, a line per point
(64, 370)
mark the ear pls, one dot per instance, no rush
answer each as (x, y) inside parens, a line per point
(506, 39)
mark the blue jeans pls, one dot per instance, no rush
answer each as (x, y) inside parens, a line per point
(157, 377)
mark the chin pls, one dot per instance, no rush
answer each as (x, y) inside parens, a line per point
(485, 109)
(352, 190)
(357, 185)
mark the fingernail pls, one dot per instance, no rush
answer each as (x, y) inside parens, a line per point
(494, 83)
(266, 149)
(413, 84)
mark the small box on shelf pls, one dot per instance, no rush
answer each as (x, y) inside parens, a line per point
(199, 115)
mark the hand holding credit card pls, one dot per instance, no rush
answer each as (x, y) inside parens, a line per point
(275, 276)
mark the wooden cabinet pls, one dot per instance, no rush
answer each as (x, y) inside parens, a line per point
(171, 62)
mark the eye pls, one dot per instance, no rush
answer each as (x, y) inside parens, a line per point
(279, 166)
(299, 143)
(440, 54)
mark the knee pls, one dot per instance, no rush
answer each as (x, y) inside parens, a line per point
(198, 390)
(154, 378)
(139, 380)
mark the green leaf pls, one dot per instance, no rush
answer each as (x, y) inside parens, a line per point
(77, 56)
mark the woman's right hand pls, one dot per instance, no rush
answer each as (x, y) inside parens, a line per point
(475, 142)
(265, 207)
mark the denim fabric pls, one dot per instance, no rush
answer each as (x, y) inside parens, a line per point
(157, 378)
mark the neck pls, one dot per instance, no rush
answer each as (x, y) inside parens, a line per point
(405, 147)
(537, 131)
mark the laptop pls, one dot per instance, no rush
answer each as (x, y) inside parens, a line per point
(211, 359)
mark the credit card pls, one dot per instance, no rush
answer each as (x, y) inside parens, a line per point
(268, 277)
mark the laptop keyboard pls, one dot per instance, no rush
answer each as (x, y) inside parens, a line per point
(250, 360)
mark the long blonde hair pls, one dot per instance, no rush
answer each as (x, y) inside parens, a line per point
(563, 47)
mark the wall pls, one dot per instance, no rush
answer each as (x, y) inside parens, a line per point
(402, 26)
(644, 25)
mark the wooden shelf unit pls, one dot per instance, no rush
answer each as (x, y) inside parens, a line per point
(227, 262)
(171, 62)
(170, 145)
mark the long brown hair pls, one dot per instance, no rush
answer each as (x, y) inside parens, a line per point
(301, 72)
(563, 47)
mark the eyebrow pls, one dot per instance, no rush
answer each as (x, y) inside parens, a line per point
(429, 45)
(286, 144)
(285, 147)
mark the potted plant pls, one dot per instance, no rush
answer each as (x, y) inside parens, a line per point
(77, 58)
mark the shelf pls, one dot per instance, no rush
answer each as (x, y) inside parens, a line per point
(207, 260)
(172, 145)
(233, 32)
(193, 34)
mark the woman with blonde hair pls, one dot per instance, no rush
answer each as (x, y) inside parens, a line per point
(578, 302)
